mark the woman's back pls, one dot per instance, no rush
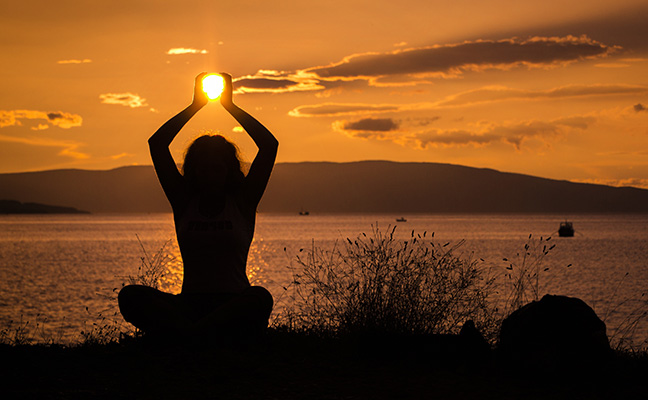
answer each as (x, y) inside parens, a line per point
(214, 246)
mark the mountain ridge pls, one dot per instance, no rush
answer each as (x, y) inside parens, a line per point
(372, 186)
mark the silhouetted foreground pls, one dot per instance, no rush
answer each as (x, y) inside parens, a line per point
(292, 366)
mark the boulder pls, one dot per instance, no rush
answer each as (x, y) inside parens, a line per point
(557, 331)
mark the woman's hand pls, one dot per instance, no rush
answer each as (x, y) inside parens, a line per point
(226, 96)
(200, 98)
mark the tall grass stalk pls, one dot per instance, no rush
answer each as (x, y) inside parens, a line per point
(625, 333)
(522, 276)
(152, 268)
(19, 333)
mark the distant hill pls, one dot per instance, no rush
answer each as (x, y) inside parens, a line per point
(356, 187)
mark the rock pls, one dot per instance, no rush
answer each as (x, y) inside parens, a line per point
(557, 331)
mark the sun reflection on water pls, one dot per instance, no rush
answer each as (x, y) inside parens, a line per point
(257, 266)
(171, 280)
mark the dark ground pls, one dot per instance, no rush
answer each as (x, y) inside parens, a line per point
(289, 366)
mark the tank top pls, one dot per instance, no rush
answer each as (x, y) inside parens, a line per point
(214, 248)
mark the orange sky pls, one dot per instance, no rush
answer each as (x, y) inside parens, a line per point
(557, 89)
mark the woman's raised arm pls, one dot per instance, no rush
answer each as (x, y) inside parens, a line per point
(261, 168)
(165, 167)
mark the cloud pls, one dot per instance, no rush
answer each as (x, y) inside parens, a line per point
(502, 93)
(268, 81)
(488, 94)
(639, 107)
(40, 127)
(55, 118)
(452, 138)
(515, 134)
(121, 155)
(184, 50)
(611, 65)
(68, 148)
(336, 109)
(454, 59)
(412, 66)
(124, 99)
(368, 124)
(84, 61)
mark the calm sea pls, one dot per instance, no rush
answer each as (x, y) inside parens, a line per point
(62, 271)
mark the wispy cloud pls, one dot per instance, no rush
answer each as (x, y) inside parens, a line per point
(84, 61)
(121, 155)
(515, 134)
(67, 148)
(336, 109)
(487, 94)
(55, 118)
(184, 50)
(503, 93)
(124, 99)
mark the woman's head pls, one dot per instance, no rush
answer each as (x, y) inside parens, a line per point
(212, 162)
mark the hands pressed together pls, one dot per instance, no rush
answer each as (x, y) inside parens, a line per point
(200, 98)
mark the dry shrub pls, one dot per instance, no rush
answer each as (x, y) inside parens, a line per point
(379, 285)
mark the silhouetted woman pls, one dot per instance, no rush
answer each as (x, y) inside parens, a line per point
(214, 208)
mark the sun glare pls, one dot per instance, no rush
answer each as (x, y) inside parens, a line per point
(213, 85)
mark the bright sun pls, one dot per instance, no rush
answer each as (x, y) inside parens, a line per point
(213, 85)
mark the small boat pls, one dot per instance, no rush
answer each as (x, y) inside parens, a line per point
(566, 229)
(401, 219)
(304, 213)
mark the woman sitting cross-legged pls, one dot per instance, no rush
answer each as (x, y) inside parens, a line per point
(214, 209)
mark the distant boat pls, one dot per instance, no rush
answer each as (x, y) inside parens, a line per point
(401, 219)
(566, 229)
(304, 212)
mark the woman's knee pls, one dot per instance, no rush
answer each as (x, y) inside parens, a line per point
(263, 296)
(132, 299)
(129, 294)
(128, 298)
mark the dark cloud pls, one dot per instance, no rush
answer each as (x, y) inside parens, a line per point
(269, 81)
(413, 66)
(264, 83)
(55, 115)
(371, 124)
(456, 58)
(452, 138)
(639, 107)
(329, 110)
(56, 118)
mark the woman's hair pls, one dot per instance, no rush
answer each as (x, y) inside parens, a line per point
(209, 147)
